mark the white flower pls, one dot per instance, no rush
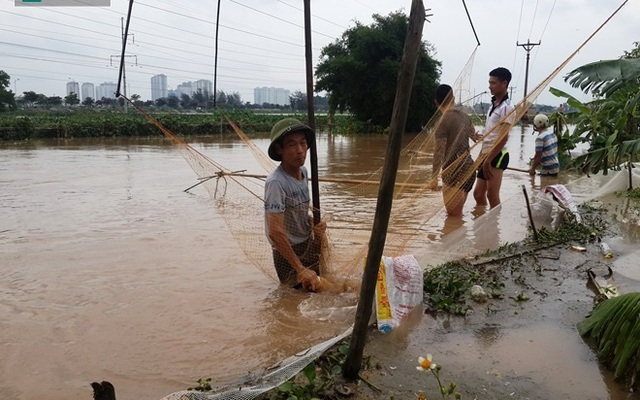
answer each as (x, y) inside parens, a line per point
(426, 363)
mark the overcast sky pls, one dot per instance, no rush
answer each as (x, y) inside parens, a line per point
(261, 42)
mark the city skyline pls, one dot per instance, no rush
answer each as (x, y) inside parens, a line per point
(160, 89)
(262, 44)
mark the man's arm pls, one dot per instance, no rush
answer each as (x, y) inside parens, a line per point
(438, 158)
(441, 135)
(279, 238)
(535, 162)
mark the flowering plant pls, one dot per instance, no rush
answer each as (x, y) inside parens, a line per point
(427, 365)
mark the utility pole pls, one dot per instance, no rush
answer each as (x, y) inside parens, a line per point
(528, 47)
(215, 63)
(511, 89)
(124, 75)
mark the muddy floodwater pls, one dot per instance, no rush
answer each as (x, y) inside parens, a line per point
(109, 271)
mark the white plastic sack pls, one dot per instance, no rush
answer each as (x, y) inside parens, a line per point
(398, 290)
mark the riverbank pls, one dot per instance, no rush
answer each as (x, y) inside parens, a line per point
(522, 343)
(95, 123)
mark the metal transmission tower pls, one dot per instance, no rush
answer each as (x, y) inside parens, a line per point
(124, 75)
(528, 47)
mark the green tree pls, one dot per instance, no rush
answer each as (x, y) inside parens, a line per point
(54, 100)
(173, 101)
(359, 72)
(41, 99)
(201, 98)
(610, 123)
(298, 101)
(135, 98)
(221, 98)
(30, 97)
(88, 102)
(71, 99)
(234, 100)
(186, 101)
(7, 97)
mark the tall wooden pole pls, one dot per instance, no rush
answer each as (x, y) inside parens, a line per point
(406, 76)
(315, 186)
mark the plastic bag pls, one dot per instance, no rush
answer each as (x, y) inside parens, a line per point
(399, 289)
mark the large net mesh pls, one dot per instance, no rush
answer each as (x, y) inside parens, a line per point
(239, 197)
(239, 194)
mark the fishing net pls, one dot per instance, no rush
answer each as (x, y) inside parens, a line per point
(251, 388)
(349, 211)
(349, 204)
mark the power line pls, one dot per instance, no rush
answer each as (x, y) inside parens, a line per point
(313, 15)
(533, 20)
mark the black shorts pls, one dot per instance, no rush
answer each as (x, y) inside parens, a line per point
(501, 161)
(453, 178)
(309, 256)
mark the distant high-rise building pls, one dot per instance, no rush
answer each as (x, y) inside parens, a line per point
(88, 90)
(204, 85)
(106, 89)
(158, 87)
(271, 95)
(73, 87)
(188, 88)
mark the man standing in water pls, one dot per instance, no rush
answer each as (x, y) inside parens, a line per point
(289, 227)
(452, 133)
(546, 149)
(500, 119)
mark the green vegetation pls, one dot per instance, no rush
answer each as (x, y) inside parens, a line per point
(614, 328)
(630, 193)
(7, 98)
(428, 365)
(316, 380)
(24, 125)
(611, 122)
(203, 385)
(447, 286)
(359, 72)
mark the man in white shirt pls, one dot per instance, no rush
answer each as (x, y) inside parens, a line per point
(500, 119)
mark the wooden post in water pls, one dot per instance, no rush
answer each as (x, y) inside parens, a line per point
(315, 187)
(406, 76)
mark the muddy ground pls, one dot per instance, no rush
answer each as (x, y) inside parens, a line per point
(505, 348)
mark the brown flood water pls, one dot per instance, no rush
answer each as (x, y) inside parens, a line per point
(109, 271)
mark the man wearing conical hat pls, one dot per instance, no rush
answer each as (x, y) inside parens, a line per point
(288, 223)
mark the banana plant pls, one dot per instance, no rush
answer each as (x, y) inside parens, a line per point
(609, 123)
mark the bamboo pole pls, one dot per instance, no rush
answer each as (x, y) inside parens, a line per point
(315, 188)
(518, 169)
(325, 179)
(406, 76)
(533, 225)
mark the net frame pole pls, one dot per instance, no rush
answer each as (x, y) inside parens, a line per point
(406, 76)
(315, 186)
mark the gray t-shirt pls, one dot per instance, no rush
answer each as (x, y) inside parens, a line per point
(285, 194)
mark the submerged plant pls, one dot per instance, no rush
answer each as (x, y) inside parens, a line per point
(630, 193)
(204, 385)
(446, 286)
